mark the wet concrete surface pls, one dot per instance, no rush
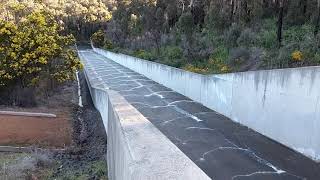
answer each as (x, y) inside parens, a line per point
(222, 148)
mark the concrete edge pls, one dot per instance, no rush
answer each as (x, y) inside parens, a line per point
(27, 114)
(154, 155)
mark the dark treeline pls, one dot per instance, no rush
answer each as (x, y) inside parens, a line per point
(213, 36)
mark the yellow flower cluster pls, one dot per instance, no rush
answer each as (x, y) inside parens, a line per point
(221, 67)
(225, 69)
(192, 68)
(297, 56)
(33, 48)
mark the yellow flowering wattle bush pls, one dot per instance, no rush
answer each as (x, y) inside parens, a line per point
(225, 69)
(192, 68)
(297, 56)
(33, 48)
(98, 38)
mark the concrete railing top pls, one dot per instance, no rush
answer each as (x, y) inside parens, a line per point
(153, 154)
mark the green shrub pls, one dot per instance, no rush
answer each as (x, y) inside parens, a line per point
(178, 63)
(98, 38)
(317, 58)
(171, 56)
(142, 54)
(231, 36)
(186, 24)
(196, 69)
(310, 48)
(284, 56)
(267, 38)
(247, 38)
(108, 45)
(238, 57)
(173, 52)
(220, 54)
(300, 47)
(269, 24)
(99, 168)
(297, 33)
(216, 18)
(116, 50)
(217, 62)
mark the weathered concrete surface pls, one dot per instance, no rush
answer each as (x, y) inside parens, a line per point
(136, 149)
(222, 148)
(281, 104)
(29, 114)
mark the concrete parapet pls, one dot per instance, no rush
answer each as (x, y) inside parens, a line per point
(282, 104)
(137, 150)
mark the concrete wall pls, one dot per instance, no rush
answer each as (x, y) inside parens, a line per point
(283, 105)
(136, 149)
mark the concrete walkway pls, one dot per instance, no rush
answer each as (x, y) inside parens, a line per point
(220, 147)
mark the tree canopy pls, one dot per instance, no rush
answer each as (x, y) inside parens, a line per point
(210, 35)
(81, 17)
(215, 34)
(35, 49)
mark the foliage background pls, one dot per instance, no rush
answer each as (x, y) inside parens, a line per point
(36, 53)
(217, 36)
(204, 36)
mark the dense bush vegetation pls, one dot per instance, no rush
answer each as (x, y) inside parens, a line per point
(32, 49)
(205, 36)
(215, 36)
(80, 18)
(34, 55)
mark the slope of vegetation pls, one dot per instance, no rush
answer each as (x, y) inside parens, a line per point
(205, 36)
(36, 54)
(38, 62)
(216, 36)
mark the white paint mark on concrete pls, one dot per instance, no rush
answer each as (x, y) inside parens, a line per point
(200, 128)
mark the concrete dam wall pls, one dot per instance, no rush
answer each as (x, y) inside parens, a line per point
(283, 105)
(137, 150)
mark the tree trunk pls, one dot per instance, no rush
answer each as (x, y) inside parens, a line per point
(245, 11)
(316, 29)
(232, 11)
(280, 21)
(305, 6)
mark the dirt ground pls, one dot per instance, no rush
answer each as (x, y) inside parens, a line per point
(42, 132)
(84, 157)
